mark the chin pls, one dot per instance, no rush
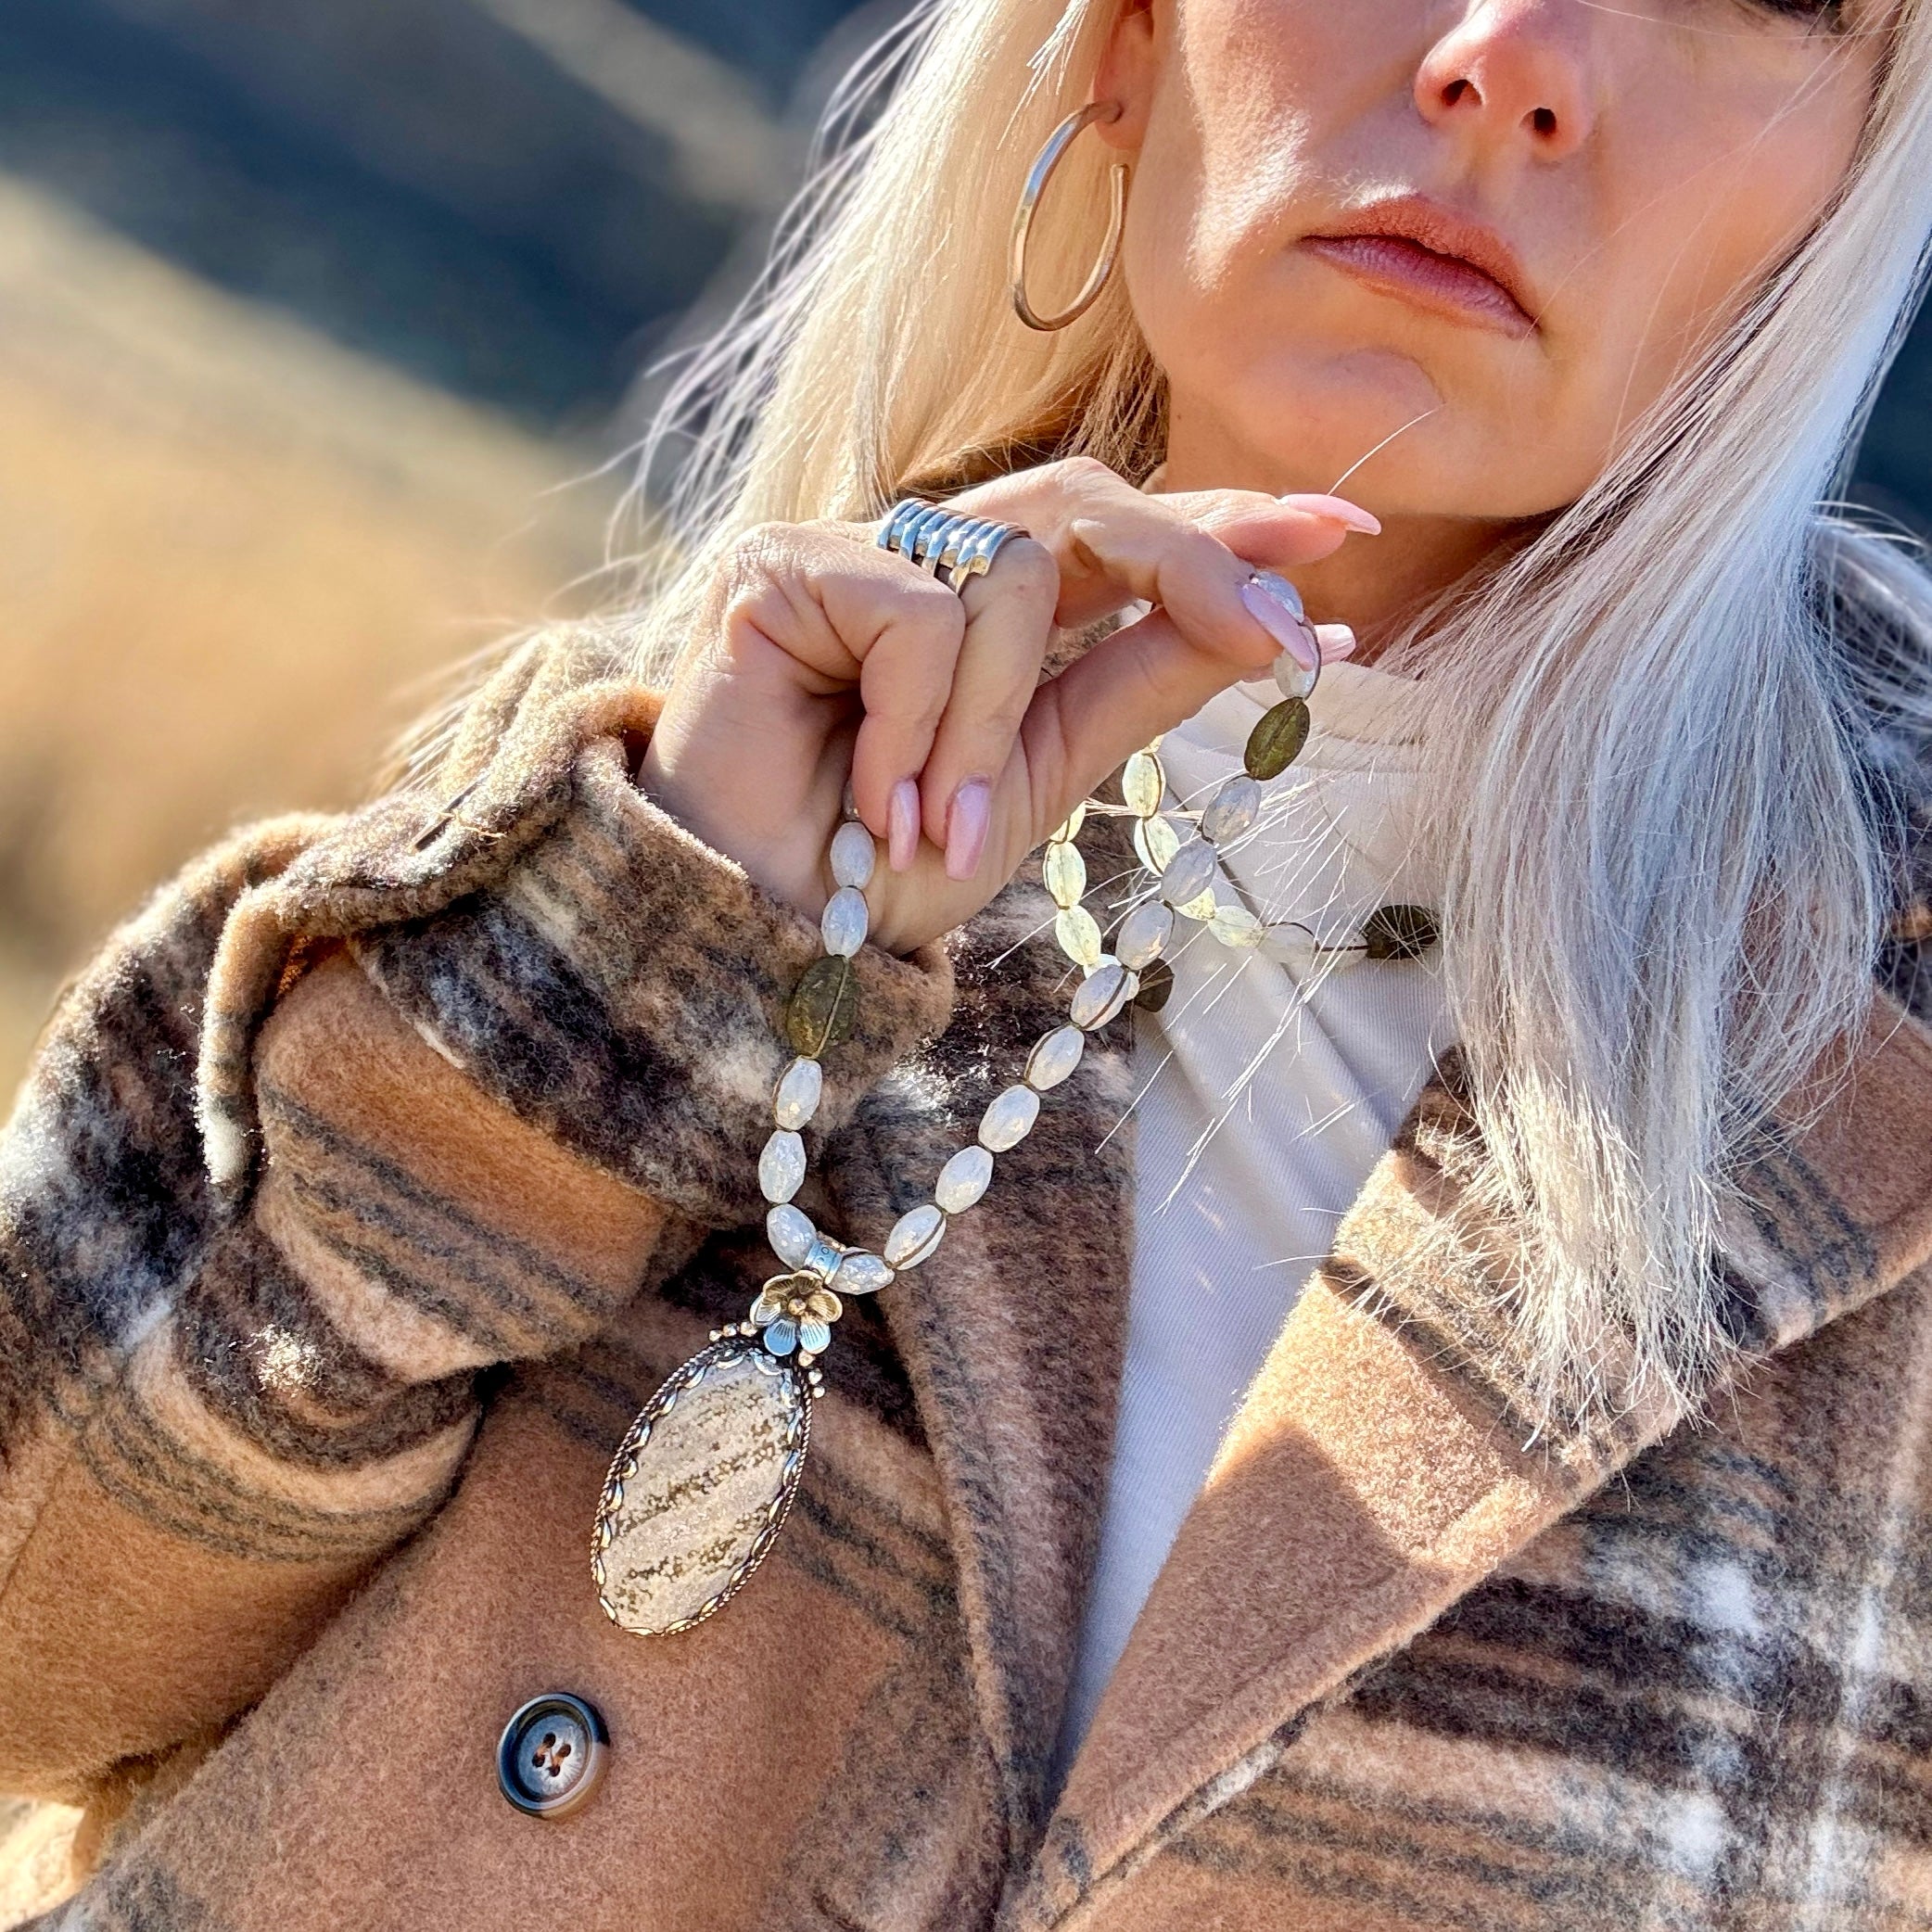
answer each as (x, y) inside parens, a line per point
(1307, 419)
(1303, 421)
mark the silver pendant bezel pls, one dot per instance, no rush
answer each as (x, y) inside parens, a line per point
(623, 1466)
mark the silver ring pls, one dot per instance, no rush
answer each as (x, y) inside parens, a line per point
(936, 539)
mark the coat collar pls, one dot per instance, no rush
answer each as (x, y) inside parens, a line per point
(1382, 1465)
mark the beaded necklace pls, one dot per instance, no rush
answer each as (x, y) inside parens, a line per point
(702, 1481)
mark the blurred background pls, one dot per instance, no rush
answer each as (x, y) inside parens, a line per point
(318, 323)
(320, 326)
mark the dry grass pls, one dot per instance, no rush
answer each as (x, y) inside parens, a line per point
(231, 555)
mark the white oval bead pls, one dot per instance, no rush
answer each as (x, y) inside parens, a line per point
(844, 924)
(1009, 1119)
(1202, 908)
(1069, 830)
(1079, 935)
(914, 1236)
(1101, 995)
(1189, 872)
(861, 1273)
(1236, 807)
(781, 1165)
(1234, 925)
(854, 853)
(799, 1090)
(1292, 680)
(1144, 934)
(791, 1233)
(1283, 590)
(1054, 1057)
(964, 1179)
(1155, 841)
(1141, 783)
(1066, 872)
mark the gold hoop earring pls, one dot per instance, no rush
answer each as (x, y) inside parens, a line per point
(1037, 177)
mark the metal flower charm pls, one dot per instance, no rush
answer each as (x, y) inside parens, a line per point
(796, 1311)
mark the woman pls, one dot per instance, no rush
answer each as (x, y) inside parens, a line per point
(1559, 1564)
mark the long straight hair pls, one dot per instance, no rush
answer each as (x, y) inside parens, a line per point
(1667, 876)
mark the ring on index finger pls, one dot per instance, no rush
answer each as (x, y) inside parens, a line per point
(937, 538)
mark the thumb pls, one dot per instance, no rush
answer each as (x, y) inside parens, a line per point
(1142, 682)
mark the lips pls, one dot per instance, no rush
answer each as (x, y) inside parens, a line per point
(1433, 258)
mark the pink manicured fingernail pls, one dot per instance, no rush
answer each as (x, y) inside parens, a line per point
(967, 820)
(902, 825)
(1337, 509)
(1280, 623)
(1336, 640)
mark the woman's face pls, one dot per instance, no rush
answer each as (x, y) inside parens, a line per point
(1512, 218)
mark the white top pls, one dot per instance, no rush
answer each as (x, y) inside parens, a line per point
(1268, 1088)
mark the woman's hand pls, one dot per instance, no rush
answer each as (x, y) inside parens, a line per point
(824, 655)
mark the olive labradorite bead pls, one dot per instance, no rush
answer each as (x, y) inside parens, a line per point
(824, 1006)
(1156, 987)
(1399, 932)
(1276, 742)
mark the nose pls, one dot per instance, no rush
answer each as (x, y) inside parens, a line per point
(1513, 74)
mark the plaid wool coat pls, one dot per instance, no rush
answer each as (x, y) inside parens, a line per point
(374, 1177)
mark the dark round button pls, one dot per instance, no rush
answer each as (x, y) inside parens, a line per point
(552, 1755)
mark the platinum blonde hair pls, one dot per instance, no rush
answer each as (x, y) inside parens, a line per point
(1669, 873)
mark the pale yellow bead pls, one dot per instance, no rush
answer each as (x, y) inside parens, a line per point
(1142, 782)
(1234, 925)
(1079, 936)
(1156, 843)
(1065, 873)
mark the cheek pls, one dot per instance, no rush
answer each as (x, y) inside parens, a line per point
(1720, 182)
(1231, 146)
(1706, 164)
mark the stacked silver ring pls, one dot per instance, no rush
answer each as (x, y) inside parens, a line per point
(937, 538)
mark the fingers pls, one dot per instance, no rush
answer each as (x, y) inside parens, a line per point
(1008, 622)
(809, 611)
(1216, 618)
(1115, 543)
(943, 680)
(1128, 689)
(1258, 526)
(949, 686)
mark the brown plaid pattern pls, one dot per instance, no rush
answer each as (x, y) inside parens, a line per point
(311, 1362)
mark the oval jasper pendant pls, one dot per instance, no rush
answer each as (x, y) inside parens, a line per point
(699, 1488)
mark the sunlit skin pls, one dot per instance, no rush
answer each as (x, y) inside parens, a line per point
(1600, 187)
(1644, 161)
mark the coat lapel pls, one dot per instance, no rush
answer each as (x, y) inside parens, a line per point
(1383, 1462)
(1012, 1333)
